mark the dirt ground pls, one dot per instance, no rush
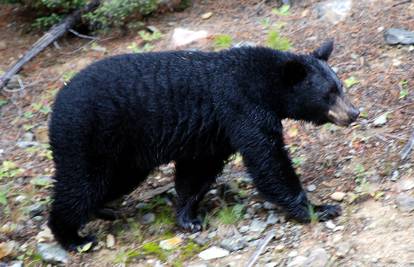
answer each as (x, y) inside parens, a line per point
(363, 161)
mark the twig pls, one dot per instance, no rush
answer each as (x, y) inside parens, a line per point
(401, 3)
(261, 247)
(80, 35)
(49, 37)
(407, 148)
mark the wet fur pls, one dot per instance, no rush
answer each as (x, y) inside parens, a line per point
(123, 116)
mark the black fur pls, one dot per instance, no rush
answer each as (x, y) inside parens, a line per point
(123, 116)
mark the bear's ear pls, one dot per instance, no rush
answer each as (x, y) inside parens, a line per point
(293, 72)
(324, 51)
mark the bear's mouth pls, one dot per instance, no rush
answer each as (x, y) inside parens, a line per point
(342, 113)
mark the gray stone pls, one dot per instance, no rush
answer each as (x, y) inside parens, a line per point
(398, 36)
(213, 253)
(317, 258)
(311, 188)
(269, 206)
(234, 244)
(52, 253)
(258, 226)
(26, 144)
(35, 209)
(405, 202)
(334, 11)
(407, 184)
(297, 261)
(244, 44)
(15, 264)
(244, 229)
(148, 218)
(272, 218)
(342, 249)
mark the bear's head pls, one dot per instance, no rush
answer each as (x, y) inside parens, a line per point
(315, 93)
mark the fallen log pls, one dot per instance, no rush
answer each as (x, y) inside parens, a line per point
(49, 37)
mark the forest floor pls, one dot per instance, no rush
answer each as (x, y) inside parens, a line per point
(361, 164)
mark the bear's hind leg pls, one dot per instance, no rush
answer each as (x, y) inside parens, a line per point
(73, 204)
(193, 179)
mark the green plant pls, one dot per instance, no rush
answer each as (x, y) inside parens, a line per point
(125, 256)
(278, 42)
(281, 11)
(150, 36)
(313, 215)
(403, 89)
(297, 161)
(152, 248)
(9, 169)
(136, 49)
(351, 81)
(222, 41)
(230, 215)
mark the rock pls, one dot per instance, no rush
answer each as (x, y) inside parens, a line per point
(398, 36)
(110, 241)
(26, 144)
(234, 244)
(272, 218)
(330, 225)
(6, 248)
(244, 44)
(148, 218)
(311, 188)
(395, 175)
(52, 253)
(45, 235)
(207, 15)
(244, 229)
(405, 202)
(258, 226)
(280, 248)
(3, 45)
(35, 209)
(406, 184)
(269, 206)
(14, 82)
(338, 196)
(171, 243)
(28, 136)
(297, 261)
(342, 249)
(334, 11)
(381, 120)
(183, 36)
(15, 264)
(213, 253)
(317, 258)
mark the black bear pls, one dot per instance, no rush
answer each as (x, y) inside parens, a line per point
(121, 117)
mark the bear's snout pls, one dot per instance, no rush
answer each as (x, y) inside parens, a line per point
(343, 112)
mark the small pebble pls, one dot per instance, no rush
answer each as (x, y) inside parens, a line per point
(110, 241)
(213, 253)
(311, 188)
(338, 196)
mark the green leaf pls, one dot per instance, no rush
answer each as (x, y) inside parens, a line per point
(222, 41)
(3, 198)
(3, 102)
(85, 247)
(276, 41)
(351, 81)
(282, 11)
(403, 89)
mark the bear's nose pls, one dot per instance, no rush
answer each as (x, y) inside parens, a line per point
(353, 114)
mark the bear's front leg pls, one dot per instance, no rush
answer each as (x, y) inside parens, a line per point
(262, 147)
